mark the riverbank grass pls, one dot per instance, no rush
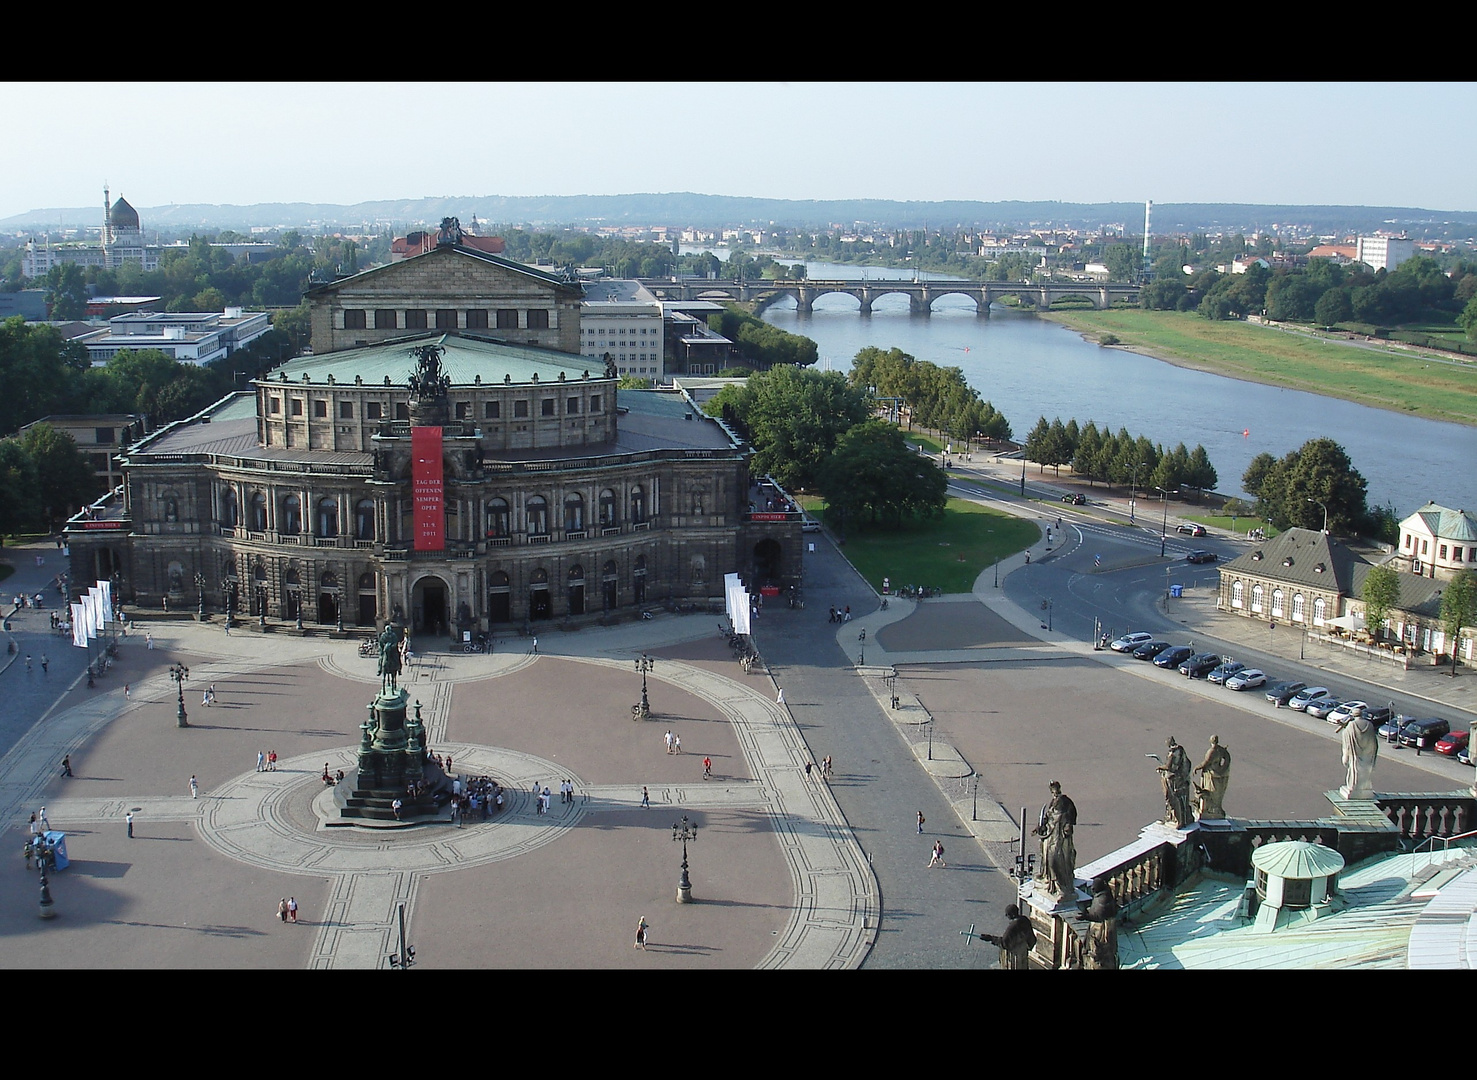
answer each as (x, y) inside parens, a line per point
(947, 553)
(1404, 381)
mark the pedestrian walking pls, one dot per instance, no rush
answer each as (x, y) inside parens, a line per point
(261, 760)
(228, 628)
(45, 664)
(28, 661)
(67, 765)
(676, 744)
(707, 768)
(127, 693)
(808, 766)
(282, 909)
(292, 909)
(668, 737)
(826, 767)
(43, 821)
(33, 824)
(129, 819)
(645, 797)
(779, 699)
(211, 692)
(938, 854)
(920, 822)
(641, 928)
(395, 806)
(149, 640)
(535, 645)
(547, 797)
(194, 787)
(205, 697)
(272, 760)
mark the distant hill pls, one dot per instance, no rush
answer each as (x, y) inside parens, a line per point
(713, 211)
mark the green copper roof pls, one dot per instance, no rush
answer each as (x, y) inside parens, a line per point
(466, 360)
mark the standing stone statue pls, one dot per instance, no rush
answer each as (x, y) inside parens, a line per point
(1361, 746)
(1058, 850)
(389, 666)
(1016, 943)
(1101, 951)
(1174, 776)
(1215, 775)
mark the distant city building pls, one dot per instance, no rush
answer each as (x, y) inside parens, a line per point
(1383, 252)
(122, 240)
(29, 304)
(1437, 542)
(101, 436)
(1338, 253)
(196, 337)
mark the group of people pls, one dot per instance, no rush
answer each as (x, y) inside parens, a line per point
(287, 909)
(267, 762)
(841, 615)
(482, 795)
(24, 601)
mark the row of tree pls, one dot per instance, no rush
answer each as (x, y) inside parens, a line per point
(936, 397)
(760, 344)
(1118, 459)
(43, 478)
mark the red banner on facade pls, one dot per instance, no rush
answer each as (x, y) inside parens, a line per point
(428, 488)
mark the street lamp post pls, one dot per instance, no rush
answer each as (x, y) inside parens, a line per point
(643, 710)
(200, 585)
(1023, 470)
(684, 832)
(338, 599)
(1133, 491)
(228, 592)
(402, 960)
(1323, 504)
(261, 606)
(1164, 525)
(179, 673)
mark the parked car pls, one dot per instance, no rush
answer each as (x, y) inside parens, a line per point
(1150, 649)
(1319, 708)
(1199, 556)
(1200, 665)
(1283, 692)
(1246, 679)
(810, 525)
(1452, 743)
(1129, 642)
(1076, 500)
(1173, 657)
(1424, 733)
(1225, 671)
(1391, 726)
(1191, 530)
(1464, 755)
(1299, 701)
(1378, 716)
(1347, 711)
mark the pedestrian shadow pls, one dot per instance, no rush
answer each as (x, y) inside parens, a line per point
(208, 931)
(683, 950)
(96, 868)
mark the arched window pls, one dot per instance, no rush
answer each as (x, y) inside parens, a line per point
(292, 516)
(1320, 610)
(638, 505)
(538, 516)
(228, 509)
(328, 580)
(498, 519)
(574, 512)
(171, 509)
(1256, 598)
(327, 517)
(258, 512)
(1238, 594)
(607, 509)
(1299, 602)
(364, 519)
(1276, 603)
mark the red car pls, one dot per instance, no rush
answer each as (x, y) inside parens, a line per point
(1452, 744)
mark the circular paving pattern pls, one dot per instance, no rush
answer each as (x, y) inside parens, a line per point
(272, 819)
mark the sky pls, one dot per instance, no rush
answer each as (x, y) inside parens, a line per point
(1362, 144)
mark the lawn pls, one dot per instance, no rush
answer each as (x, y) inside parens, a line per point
(1399, 380)
(946, 553)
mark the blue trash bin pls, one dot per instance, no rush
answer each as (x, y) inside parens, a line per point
(1176, 590)
(57, 842)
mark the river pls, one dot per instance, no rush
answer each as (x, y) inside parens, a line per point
(1030, 367)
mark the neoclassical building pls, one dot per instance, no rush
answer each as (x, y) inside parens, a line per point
(456, 478)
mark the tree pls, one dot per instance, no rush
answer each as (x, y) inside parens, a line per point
(1295, 490)
(1333, 307)
(1458, 610)
(1256, 474)
(793, 416)
(1381, 595)
(66, 291)
(873, 475)
(19, 489)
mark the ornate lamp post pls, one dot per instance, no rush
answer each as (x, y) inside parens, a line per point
(228, 590)
(643, 710)
(338, 601)
(684, 832)
(179, 673)
(403, 960)
(261, 606)
(200, 585)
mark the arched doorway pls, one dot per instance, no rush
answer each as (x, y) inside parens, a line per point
(328, 597)
(576, 590)
(540, 604)
(499, 598)
(368, 599)
(638, 581)
(292, 594)
(428, 606)
(768, 562)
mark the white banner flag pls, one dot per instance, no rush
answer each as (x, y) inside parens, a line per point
(736, 601)
(105, 588)
(79, 626)
(89, 611)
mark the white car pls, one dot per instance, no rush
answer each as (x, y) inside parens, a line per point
(810, 525)
(1246, 679)
(1347, 711)
(1129, 642)
(1299, 701)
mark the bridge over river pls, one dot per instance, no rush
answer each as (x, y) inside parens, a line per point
(920, 294)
